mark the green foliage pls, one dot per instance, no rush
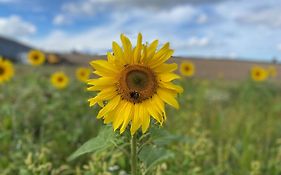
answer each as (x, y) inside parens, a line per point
(151, 156)
(103, 141)
(221, 128)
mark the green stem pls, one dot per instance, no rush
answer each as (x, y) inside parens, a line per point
(133, 155)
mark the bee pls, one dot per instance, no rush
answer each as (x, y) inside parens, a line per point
(134, 95)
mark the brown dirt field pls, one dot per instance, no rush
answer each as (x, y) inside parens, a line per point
(205, 68)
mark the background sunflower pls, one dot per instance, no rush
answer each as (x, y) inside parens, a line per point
(6, 70)
(36, 57)
(59, 80)
(83, 74)
(187, 68)
(258, 73)
(272, 71)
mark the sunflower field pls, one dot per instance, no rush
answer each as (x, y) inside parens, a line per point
(192, 126)
(221, 128)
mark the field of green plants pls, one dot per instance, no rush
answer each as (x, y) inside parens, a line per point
(221, 128)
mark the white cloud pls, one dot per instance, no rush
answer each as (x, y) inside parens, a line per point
(61, 19)
(177, 9)
(279, 47)
(163, 25)
(267, 17)
(95, 39)
(202, 19)
(175, 15)
(198, 42)
(232, 55)
(16, 27)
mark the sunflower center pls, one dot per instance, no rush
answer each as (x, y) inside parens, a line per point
(257, 74)
(137, 79)
(2, 70)
(60, 79)
(137, 83)
(35, 57)
(186, 68)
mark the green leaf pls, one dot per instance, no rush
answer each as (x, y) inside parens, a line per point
(104, 140)
(152, 156)
(277, 107)
(159, 136)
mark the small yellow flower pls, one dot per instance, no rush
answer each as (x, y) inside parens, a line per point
(272, 71)
(258, 73)
(36, 57)
(53, 59)
(59, 80)
(187, 68)
(6, 70)
(83, 74)
(135, 83)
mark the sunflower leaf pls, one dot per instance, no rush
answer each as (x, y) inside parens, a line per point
(162, 137)
(102, 141)
(152, 156)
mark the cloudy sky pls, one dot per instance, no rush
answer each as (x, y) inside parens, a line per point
(242, 29)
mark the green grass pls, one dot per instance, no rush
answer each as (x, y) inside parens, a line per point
(222, 128)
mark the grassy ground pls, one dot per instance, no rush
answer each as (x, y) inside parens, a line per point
(222, 128)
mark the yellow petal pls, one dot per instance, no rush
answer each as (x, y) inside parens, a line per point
(103, 81)
(109, 107)
(167, 77)
(127, 114)
(163, 68)
(105, 94)
(168, 97)
(136, 122)
(151, 49)
(105, 67)
(160, 104)
(119, 119)
(118, 53)
(109, 117)
(160, 53)
(145, 121)
(162, 59)
(110, 58)
(153, 111)
(137, 51)
(144, 54)
(170, 86)
(127, 48)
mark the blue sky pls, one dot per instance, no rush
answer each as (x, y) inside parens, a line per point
(241, 29)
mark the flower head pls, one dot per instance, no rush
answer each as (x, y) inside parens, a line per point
(59, 80)
(36, 57)
(187, 68)
(6, 70)
(83, 74)
(272, 71)
(134, 83)
(258, 73)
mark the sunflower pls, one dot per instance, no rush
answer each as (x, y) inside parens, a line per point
(134, 85)
(258, 73)
(187, 68)
(272, 71)
(36, 57)
(83, 74)
(59, 80)
(52, 59)
(6, 70)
